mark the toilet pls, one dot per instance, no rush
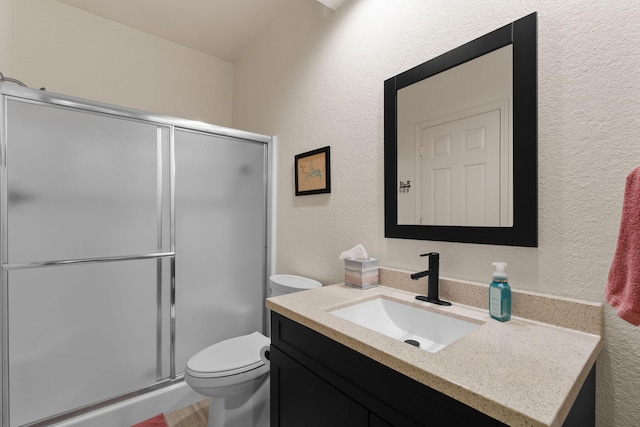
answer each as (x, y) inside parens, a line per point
(232, 373)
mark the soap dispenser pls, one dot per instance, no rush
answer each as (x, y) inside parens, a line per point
(500, 294)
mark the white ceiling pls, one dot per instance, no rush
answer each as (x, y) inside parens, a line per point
(222, 28)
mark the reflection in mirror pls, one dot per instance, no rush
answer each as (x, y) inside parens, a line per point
(454, 145)
(461, 143)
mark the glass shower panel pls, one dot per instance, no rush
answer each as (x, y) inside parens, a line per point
(80, 184)
(80, 334)
(220, 240)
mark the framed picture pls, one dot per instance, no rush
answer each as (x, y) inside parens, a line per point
(313, 172)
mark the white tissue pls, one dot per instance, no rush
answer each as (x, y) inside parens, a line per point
(264, 354)
(357, 252)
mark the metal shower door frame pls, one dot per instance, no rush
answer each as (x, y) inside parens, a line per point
(12, 92)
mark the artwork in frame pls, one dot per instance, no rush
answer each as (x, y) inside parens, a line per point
(313, 172)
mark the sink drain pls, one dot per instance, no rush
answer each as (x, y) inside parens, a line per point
(413, 342)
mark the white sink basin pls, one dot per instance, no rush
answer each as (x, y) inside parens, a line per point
(432, 331)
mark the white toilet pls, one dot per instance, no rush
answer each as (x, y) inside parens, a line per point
(233, 374)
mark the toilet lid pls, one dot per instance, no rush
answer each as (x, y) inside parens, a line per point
(293, 283)
(238, 353)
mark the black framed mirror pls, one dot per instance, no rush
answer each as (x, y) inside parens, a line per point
(515, 170)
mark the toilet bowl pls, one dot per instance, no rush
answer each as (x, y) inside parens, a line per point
(282, 284)
(232, 373)
(236, 380)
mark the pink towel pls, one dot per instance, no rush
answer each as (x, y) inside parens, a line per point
(623, 286)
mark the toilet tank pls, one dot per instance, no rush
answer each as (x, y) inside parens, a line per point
(282, 284)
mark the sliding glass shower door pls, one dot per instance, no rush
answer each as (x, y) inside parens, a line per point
(128, 244)
(220, 240)
(81, 189)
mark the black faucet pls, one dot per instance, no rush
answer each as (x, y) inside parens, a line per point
(433, 272)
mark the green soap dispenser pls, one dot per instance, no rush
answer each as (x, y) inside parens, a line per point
(500, 294)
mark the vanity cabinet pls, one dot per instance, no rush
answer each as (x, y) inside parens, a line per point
(318, 382)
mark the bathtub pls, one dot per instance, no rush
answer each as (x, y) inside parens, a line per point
(137, 409)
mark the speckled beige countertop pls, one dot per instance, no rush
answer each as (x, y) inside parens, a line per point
(522, 372)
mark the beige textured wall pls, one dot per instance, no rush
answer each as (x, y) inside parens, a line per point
(315, 78)
(75, 53)
(6, 37)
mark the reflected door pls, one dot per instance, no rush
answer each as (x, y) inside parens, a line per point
(460, 163)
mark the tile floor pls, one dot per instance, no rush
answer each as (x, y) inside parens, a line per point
(195, 415)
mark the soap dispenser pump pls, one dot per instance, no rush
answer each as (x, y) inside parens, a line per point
(500, 294)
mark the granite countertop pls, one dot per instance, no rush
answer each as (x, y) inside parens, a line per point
(524, 372)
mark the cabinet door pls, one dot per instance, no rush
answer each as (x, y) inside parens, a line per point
(376, 421)
(301, 398)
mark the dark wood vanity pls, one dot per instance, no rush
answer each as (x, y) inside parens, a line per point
(318, 382)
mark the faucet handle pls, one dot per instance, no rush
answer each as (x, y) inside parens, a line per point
(431, 254)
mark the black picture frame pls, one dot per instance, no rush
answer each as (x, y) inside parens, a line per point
(313, 172)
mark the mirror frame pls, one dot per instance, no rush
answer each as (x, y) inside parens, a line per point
(522, 34)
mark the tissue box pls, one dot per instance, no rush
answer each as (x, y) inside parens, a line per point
(361, 274)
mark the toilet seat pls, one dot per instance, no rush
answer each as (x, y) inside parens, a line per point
(229, 357)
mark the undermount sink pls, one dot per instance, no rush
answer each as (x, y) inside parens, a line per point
(417, 326)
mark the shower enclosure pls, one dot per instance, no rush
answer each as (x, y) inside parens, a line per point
(129, 241)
